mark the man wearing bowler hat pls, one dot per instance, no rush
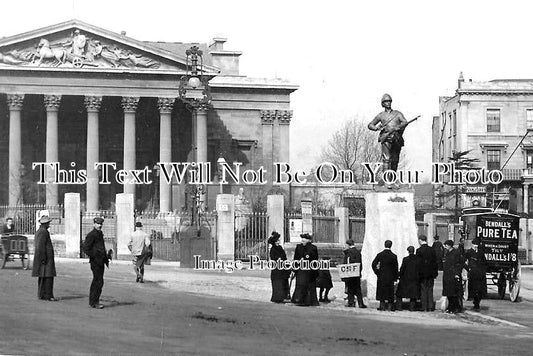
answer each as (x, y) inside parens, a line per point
(139, 246)
(44, 265)
(94, 247)
(476, 265)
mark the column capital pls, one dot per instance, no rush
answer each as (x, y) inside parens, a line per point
(165, 105)
(129, 103)
(93, 103)
(14, 101)
(201, 109)
(268, 116)
(284, 116)
(51, 102)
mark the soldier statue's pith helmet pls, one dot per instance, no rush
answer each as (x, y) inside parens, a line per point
(386, 97)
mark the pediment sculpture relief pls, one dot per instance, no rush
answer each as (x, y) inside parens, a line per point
(77, 52)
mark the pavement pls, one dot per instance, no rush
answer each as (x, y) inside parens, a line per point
(182, 311)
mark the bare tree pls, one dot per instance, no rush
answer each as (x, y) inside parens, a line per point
(352, 145)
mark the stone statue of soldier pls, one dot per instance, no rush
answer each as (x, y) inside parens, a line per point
(391, 123)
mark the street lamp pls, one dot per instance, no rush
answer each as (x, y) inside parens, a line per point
(193, 87)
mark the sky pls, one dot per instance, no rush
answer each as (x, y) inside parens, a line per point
(344, 55)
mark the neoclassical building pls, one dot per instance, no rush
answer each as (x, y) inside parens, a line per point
(78, 94)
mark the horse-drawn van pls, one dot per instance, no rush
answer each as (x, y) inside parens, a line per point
(499, 233)
(14, 247)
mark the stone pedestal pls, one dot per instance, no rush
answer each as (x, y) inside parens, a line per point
(225, 227)
(389, 216)
(125, 223)
(72, 224)
(275, 212)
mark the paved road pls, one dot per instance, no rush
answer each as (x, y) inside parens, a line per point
(186, 312)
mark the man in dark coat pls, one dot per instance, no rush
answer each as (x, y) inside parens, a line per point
(305, 290)
(44, 265)
(476, 265)
(439, 251)
(94, 247)
(353, 284)
(428, 271)
(385, 266)
(279, 277)
(452, 286)
(8, 227)
(408, 287)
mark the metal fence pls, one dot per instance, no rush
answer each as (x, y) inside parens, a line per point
(324, 228)
(25, 217)
(251, 235)
(357, 229)
(109, 229)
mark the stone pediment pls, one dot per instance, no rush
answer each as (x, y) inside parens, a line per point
(76, 45)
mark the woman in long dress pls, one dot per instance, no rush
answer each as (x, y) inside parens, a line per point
(278, 277)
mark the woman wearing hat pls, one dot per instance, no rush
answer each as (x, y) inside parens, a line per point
(44, 265)
(278, 277)
(476, 265)
(305, 290)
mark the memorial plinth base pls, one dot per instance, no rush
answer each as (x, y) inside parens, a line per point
(389, 216)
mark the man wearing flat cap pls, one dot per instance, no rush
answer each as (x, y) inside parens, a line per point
(353, 284)
(94, 247)
(476, 265)
(140, 247)
(305, 290)
(44, 265)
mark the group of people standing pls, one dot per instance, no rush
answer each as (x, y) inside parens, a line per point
(415, 277)
(99, 257)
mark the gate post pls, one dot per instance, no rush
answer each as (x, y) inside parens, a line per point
(225, 227)
(72, 224)
(275, 212)
(342, 232)
(125, 223)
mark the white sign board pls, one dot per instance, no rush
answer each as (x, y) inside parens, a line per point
(349, 270)
(295, 230)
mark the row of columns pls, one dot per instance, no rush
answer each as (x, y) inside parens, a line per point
(92, 104)
(275, 132)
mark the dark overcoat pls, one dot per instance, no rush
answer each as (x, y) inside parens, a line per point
(385, 266)
(439, 251)
(452, 267)
(305, 290)
(476, 265)
(279, 277)
(278, 253)
(429, 267)
(43, 259)
(324, 279)
(409, 286)
(94, 247)
(352, 255)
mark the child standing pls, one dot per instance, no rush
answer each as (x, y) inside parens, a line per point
(324, 283)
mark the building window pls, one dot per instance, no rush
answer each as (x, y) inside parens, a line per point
(494, 158)
(529, 119)
(493, 120)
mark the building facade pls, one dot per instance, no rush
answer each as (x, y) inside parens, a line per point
(492, 120)
(76, 94)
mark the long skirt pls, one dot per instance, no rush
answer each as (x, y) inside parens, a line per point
(45, 288)
(280, 290)
(305, 291)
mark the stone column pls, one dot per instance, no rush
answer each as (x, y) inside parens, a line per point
(51, 103)
(343, 227)
(14, 101)
(276, 138)
(284, 117)
(92, 103)
(267, 120)
(129, 104)
(275, 212)
(165, 150)
(201, 134)
(526, 198)
(225, 227)
(72, 224)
